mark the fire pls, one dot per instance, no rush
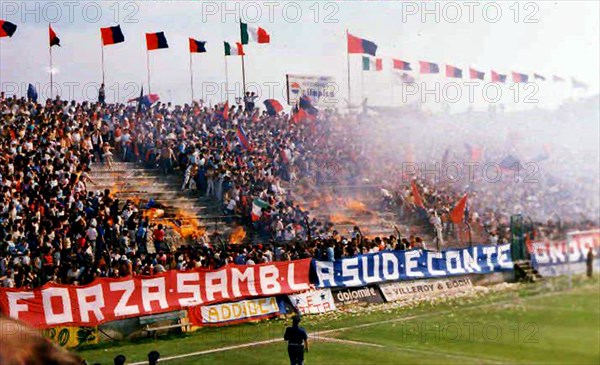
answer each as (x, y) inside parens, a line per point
(237, 235)
(357, 207)
(153, 213)
(338, 218)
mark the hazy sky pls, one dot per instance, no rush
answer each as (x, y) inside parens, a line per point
(550, 37)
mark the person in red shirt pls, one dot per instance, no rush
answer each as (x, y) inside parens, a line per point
(159, 237)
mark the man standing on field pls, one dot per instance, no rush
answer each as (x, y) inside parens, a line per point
(297, 342)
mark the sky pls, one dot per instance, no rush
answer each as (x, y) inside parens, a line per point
(307, 38)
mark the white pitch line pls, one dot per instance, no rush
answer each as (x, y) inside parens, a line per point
(424, 315)
(349, 342)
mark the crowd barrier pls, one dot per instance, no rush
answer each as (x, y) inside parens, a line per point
(235, 294)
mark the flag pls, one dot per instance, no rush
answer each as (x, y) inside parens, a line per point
(156, 41)
(32, 93)
(578, 84)
(306, 104)
(258, 35)
(225, 111)
(359, 45)
(510, 162)
(428, 67)
(150, 99)
(7, 29)
(273, 106)
(257, 206)
(197, 46)
(401, 65)
(238, 50)
(457, 215)
(146, 100)
(112, 35)
(372, 64)
(474, 74)
(496, 77)
(405, 78)
(299, 114)
(519, 77)
(416, 195)
(474, 152)
(452, 71)
(243, 138)
(557, 78)
(539, 77)
(54, 40)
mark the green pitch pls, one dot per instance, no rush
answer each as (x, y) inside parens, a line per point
(541, 323)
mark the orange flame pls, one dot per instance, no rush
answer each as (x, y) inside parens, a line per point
(237, 235)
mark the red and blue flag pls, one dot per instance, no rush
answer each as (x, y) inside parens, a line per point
(243, 138)
(454, 72)
(496, 77)
(519, 77)
(401, 65)
(428, 67)
(360, 45)
(112, 35)
(474, 74)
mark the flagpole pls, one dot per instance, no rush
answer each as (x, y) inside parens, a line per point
(148, 66)
(243, 75)
(192, 78)
(51, 72)
(348, 64)
(226, 80)
(102, 51)
(362, 85)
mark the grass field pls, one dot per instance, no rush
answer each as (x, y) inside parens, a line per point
(535, 323)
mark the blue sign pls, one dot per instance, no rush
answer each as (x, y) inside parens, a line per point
(413, 264)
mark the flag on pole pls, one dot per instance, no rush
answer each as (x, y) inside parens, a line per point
(54, 40)
(7, 29)
(156, 41)
(416, 195)
(474, 74)
(457, 215)
(273, 106)
(359, 45)
(258, 35)
(519, 77)
(372, 64)
(539, 77)
(32, 93)
(428, 67)
(243, 138)
(557, 78)
(257, 206)
(112, 35)
(401, 65)
(197, 46)
(237, 50)
(496, 77)
(454, 72)
(578, 84)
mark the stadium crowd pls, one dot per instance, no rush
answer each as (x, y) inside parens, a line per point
(55, 227)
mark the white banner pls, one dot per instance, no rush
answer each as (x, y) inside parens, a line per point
(406, 290)
(313, 301)
(239, 311)
(322, 90)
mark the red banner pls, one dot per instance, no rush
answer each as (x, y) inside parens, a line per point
(106, 300)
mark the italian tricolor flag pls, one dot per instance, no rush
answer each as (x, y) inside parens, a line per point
(258, 35)
(257, 207)
(235, 50)
(372, 64)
